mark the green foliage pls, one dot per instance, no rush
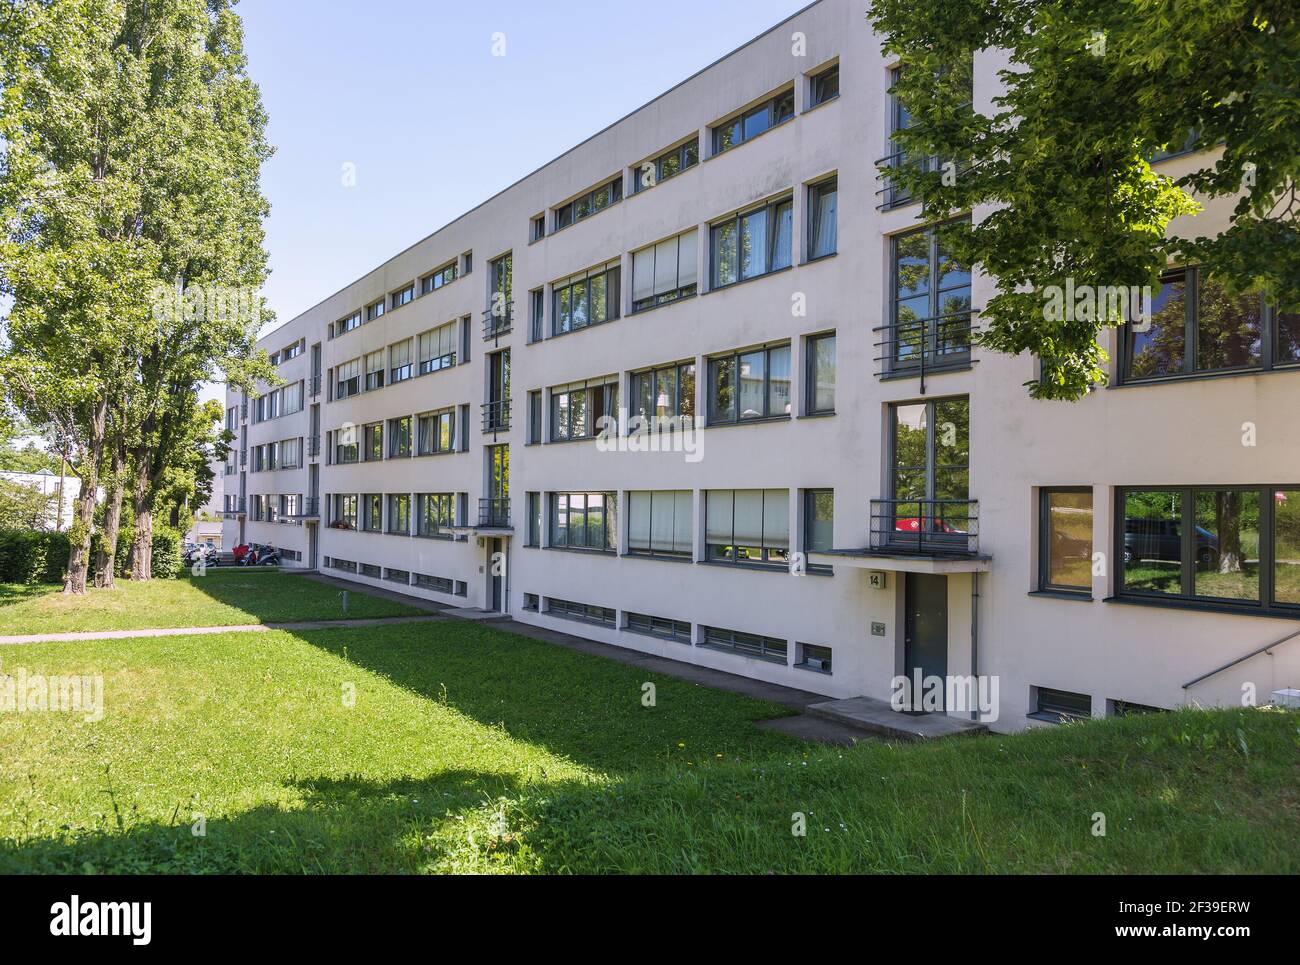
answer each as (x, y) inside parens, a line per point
(1060, 161)
(32, 556)
(167, 563)
(24, 506)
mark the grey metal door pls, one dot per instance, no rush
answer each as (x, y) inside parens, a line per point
(925, 627)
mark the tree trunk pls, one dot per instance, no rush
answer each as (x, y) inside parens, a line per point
(79, 553)
(142, 543)
(106, 565)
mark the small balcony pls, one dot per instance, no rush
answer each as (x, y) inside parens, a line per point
(498, 321)
(311, 507)
(234, 508)
(313, 446)
(942, 528)
(243, 458)
(496, 416)
(494, 513)
(314, 386)
(915, 348)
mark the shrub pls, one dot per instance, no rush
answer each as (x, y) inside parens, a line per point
(167, 560)
(32, 556)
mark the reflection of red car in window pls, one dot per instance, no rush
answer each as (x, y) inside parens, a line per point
(912, 524)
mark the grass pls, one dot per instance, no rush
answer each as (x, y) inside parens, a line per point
(223, 597)
(471, 749)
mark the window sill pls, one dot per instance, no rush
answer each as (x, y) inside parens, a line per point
(807, 669)
(1207, 606)
(580, 551)
(675, 301)
(659, 557)
(747, 422)
(744, 281)
(657, 636)
(575, 331)
(1202, 376)
(755, 567)
(573, 224)
(818, 258)
(1080, 597)
(812, 107)
(900, 375)
(740, 653)
(636, 192)
(816, 415)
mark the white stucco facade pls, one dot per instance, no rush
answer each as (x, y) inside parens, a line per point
(1096, 642)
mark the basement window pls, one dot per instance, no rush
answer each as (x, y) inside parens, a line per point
(1060, 706)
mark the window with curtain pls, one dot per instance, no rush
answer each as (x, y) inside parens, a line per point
(750, 385)
(399, 437)
(577, 410)
(667, 392)
(345, 511)
(437, 432)
(372, 512)
(822, 203)
(752, 243)
(399, 513)
(821, 374)
(437, 348)
(585, 521)
(747, 525)
(348, 378)
(374, 370)
(372, 442)
(664, 272)
(399, 361)
(659, 523)
(433, 514)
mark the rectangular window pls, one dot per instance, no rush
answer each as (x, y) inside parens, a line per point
(664, 272)
(375, 310)
(821, 374)
(372, 512)
(437, 348)
(824, 86)
(345, 511)
(443, 276)
(434, 515)
(1060, 706)
(930, 314)
(346, 449)
(399, 514)
(291, 454)
(745, 644)
(751, 243)
(747, 526)
(535, 416)
(372, 570)
(397, 576)
(660, 523)
(753, 122)
(1227, 546)
(584, 410)
(586, 521)
(1065, 540)
(1194, 326)
(439, 584)
(668, 629)
(929, 498)
(810, 657)
(437, 432)
(822, 218)
(375, 370)
(400, 298)
(399, 437)
(348, 378)
(533, 535)
(663, 398)
(585, 299)
(750, 385)
(536, 301)
(347, 324)
(399, 361)
(594, 201)
(819, 520)
(372, 442)
(531, 601)
(583, 612)
(538, 231)
(649, 173)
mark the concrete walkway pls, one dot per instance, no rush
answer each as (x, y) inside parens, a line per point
(199, 631)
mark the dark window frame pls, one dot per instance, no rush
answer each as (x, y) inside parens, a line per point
(769, 556)
(771, 221)
(438, 278)
(1045, 584)
(613, 299)
(567, 215)
(936, 359)
(609, 391)
(756, 646)
(686, 154)
(810, 373)
(1060, 706)
(609, 522)
(776, 116)
(813, 218)
(736, 418)
(817, 84)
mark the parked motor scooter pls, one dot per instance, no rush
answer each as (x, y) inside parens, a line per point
(270, 556)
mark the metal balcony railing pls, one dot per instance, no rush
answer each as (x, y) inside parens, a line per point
(311, 507)
(313, 446)
(314, 385)
(498, 321)
(496, 415)
(914, 347)
(494, 512)
(925, 527)
(243, 458)
(243, 410)
(234, 507)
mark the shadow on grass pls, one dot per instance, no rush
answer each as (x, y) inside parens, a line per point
(584, 708)
(11, 593)
(349, 825)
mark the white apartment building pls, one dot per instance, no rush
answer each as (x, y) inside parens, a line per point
(866, 495)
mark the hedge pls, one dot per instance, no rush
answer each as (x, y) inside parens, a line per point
(32, 556)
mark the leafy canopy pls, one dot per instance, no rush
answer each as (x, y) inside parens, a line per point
(1059, 159)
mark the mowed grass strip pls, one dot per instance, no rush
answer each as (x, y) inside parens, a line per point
(452, 746)
(227, 596)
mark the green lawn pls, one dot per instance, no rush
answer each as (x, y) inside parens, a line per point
(223, 597)
(471, 749)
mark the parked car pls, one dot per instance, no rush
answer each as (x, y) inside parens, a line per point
(1161, 539)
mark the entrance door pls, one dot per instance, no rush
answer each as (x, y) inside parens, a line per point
(925, 629)
(496, 564)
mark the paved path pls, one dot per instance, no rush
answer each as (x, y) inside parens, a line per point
(197, 631)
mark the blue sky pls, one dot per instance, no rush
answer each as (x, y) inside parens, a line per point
(410, 93)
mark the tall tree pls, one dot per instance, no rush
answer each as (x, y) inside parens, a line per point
(134, 143)
(1062, 158)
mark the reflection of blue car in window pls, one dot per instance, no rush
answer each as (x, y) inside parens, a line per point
(1159, 539)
